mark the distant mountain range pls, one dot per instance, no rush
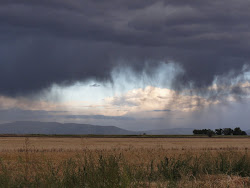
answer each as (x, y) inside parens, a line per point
(34, 127)
(31, 127)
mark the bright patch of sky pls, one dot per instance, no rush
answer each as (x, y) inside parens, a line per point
(124, 80)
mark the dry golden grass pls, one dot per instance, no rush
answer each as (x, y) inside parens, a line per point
(212, 181)
(136, 151)
(47, 143)
(133, 148)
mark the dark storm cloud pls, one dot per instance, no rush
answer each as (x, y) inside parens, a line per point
(52, 41)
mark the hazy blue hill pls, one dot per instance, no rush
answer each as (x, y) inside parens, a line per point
(35, 127)
(29, 127)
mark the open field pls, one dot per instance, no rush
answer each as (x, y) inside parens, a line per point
(65, 143)
(124, 162)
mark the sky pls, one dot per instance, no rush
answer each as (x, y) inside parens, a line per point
(138, 65)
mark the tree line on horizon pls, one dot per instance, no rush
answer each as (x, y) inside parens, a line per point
(224, 131)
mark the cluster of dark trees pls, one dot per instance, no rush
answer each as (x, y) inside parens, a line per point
(225, 131)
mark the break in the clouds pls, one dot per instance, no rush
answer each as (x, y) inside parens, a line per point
(62, 42)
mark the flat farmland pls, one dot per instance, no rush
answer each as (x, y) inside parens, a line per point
(48, 143)
(124, 162)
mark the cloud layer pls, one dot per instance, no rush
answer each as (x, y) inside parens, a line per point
(52, 41)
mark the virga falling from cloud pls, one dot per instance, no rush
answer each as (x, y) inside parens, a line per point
(62, 42)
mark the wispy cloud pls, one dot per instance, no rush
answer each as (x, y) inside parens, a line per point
(95, 85)
(154, 99)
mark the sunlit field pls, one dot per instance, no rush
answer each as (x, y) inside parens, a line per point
(124, 162)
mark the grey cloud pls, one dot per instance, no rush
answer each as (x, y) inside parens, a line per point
(98, 117)
(156, 119)
(46, 42)
(16, 114)
(95, 85)
(19, 114)
(167, 110)
(123, 101)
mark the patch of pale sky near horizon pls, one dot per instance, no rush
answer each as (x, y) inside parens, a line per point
(209, 116)
(223, 115)
(124, 80)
